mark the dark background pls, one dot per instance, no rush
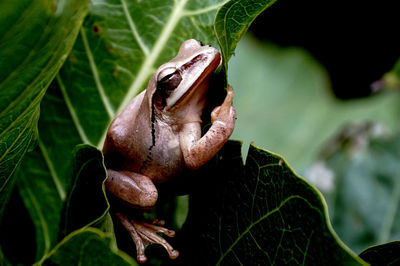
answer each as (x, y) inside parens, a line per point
(356, 41)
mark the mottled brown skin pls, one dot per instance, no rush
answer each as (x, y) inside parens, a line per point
(158, 135)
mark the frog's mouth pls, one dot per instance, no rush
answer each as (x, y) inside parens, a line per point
(199, 70)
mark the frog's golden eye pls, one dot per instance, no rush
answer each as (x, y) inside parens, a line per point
(168, 80)
(165, 74)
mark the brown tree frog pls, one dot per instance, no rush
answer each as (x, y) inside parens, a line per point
(158, 135)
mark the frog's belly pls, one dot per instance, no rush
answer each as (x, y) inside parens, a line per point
(167, 161)
(162, 162)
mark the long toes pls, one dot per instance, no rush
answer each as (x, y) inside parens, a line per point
(140, 246)
(150, 236)
(141, 258)
(160, 229)
(145, 234)
(157, 222)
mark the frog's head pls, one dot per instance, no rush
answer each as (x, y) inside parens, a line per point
(181, 84)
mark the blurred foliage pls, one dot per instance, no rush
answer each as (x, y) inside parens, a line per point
(359, 173)
(284, 103)
(390, 80)
(35, 39)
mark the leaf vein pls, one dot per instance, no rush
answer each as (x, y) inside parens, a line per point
(43, 223)
(72, 112)
(53, 173)
(255, 223)
(134, 31)
(96, 76)
(186, 13)
(149, 61)
(5, 183)
(260, 248)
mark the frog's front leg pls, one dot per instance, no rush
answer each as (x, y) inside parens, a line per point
(139, 191)
(198, 150)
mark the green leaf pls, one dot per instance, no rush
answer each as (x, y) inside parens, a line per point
(41, 197)
(88, 246)
(363, 189)
(35, 38)
(283, 102)
(46, 174)
(261, 213)
(86, 204)
(385, 254)
(232, 21)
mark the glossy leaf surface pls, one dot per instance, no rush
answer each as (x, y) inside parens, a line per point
(36, 37)
(362, 184)
(232, 21)
(261, 213)
(86, 204)
(88, 246)
(385, 254)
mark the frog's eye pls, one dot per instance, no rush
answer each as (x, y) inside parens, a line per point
(168, 80)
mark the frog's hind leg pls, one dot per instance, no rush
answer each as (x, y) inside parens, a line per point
(136, 189)
(145, 234)
(139, 191)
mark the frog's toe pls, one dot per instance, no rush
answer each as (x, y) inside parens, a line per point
(145, 234)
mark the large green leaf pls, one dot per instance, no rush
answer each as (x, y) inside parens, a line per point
(86, 204)
(43, 182)
(35, 38)
(385, 254)
(88, 246)
(283, 102)
(232, 21)
(42, 199)
(260, 213)
(362, 184)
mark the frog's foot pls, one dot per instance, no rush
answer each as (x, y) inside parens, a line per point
(145, 234)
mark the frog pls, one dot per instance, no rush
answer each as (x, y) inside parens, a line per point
(158, 136)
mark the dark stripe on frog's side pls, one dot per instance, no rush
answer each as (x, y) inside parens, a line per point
(191, 62)
(153, 130)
